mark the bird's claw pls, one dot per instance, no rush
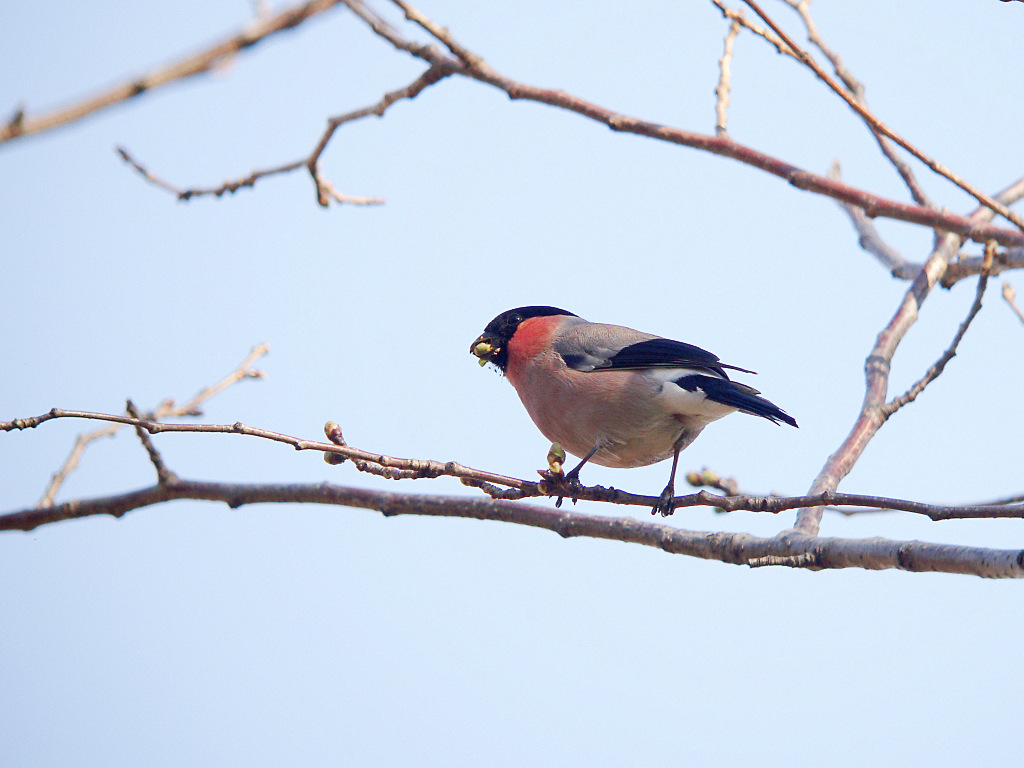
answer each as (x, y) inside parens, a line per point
(665, 505)
(566, 485)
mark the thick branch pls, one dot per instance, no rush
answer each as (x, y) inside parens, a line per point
(734, 548)
(872, 413)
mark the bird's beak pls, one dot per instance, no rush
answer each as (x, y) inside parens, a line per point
(484, 349)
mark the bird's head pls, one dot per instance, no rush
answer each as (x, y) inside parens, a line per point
(491, 346)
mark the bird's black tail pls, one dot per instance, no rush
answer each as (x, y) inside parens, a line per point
(739, 396)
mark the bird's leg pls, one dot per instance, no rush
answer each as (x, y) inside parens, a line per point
(665, 505)
(572, 479)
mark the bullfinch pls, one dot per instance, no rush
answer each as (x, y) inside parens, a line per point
(612, 395)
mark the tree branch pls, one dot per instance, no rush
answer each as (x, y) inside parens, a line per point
(880, 128)
(876, 368)
(396, 468)
(166, 409)
(733, 548)
(22, 125)
(939, 366)
(972, 229)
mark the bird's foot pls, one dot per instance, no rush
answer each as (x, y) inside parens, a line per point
(665, 505)
(572, 484)
(565, 485)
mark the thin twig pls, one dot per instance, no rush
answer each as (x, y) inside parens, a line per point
(1009, 294)
(164, 476)
(228, 187)
(325, 190)
(725, 80)
(429, 468)
(856, 90)
(888, 409)
(162, 411)
(738, 17)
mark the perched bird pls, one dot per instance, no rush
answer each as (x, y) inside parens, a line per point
(612, 395)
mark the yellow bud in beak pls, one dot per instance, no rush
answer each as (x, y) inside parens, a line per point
(484, 350)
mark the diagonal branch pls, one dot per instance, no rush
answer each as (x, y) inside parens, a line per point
(939, 366)
(166, 409)
(970, 228)
(876, 369)
(1009, 294)
(23, 125)
(856, 90)
(880, 128)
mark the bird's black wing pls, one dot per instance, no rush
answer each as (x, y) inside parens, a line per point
(666, 353)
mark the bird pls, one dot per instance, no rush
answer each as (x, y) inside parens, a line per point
(612, 395)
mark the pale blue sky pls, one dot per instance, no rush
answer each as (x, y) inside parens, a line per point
(195, 635)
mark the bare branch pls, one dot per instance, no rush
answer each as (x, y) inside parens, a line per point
(856, 90)
(725, 80)
(738, 17)
(402, 469)
(881, 128)
(972, 229)
(164, 410)
(937, 368)
(870, 240)
(734, 548)
(231, 186)
(876, 367)
(164, 476)
(325, 190)
(204, 61)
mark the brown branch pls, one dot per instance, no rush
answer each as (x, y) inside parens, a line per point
(733, 548)
(400, 469)
(888, 409)
(972, 229)
(23, 125)
(855, 89)
(164, 410)
(164, 476)
(725, 80)
(876, 368)
(878, 127)
(969, 266)
(230, 186)
(325, 190)
(871, 241)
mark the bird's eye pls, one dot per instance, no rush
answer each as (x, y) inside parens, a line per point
(515, 319)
